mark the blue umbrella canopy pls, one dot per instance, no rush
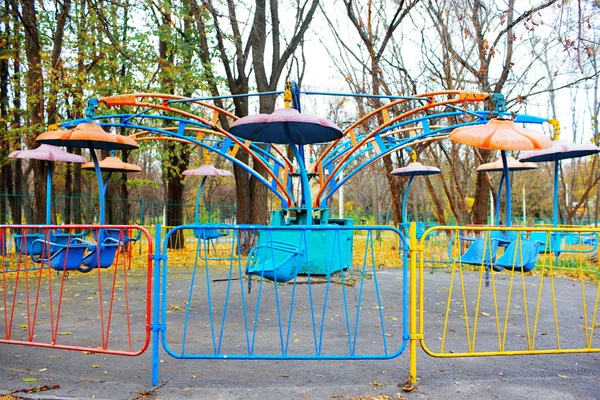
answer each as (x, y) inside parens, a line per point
(286, 126)
(560, 150)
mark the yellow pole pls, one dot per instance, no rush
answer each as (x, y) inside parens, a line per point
(287, 94)
(412, 309)
(555, 128)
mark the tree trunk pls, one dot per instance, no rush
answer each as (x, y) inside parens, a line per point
(124, 192)
(16, 206)
(6, 189)
(479, 211)
(35, 101)
(56, 67)
(176, 160)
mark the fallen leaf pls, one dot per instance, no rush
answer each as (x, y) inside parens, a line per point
(43, 369)
(485, 314)
(96, 366)
(563, 376)
(29, 380)
(65, 333)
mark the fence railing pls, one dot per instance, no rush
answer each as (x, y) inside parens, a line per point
(72, 287)
(508, 291)
(70, 209)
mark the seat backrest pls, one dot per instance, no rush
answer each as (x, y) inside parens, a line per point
(520, 255)
(482, 251)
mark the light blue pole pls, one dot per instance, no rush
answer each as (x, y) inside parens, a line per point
(48, 193)
(299, 154)
(306, 198)
(198, 197)
(100, 185)
(507, 177)
(156, 307)
(555, 200)
(498, 197)
(405, 199)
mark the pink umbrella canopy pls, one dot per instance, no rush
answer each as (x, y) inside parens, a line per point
(415, 168)
(50, 154)
(47, 152)
(500, 134)
(513, 165)
(560, 150)
(206, 170)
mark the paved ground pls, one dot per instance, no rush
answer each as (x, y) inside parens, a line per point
(547, 377)
(80, 375)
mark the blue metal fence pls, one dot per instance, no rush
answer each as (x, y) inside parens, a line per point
(351, 310)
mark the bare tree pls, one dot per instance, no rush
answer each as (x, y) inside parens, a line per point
(360, 61)
(241, 54)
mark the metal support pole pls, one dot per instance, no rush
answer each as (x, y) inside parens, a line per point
(157, 257)
(412, 309)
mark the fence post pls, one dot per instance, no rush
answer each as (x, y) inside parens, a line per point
(413, 248)
(156, 328)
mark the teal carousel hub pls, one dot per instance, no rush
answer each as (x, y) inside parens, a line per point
(327, 248)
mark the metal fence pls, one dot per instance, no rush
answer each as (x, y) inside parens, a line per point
(70, 209)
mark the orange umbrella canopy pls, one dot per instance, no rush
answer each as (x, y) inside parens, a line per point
(500, 134)
(513, 165)
(85, 135)
(113, 164)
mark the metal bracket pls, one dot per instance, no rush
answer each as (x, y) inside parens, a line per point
(158, 327)
(159, 257)
(500, 103)
(90, 110)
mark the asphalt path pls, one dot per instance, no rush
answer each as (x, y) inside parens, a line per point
(568, 376)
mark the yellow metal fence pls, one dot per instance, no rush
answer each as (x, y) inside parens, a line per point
(487, 291)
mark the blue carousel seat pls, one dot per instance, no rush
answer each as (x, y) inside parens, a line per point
(23, 243)
(275, 260)
(63, 238)
(99, 256)
(479, 252)
(555, 245)
(61, 257)
(117, 234)
(208, 233)
(520, 255)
